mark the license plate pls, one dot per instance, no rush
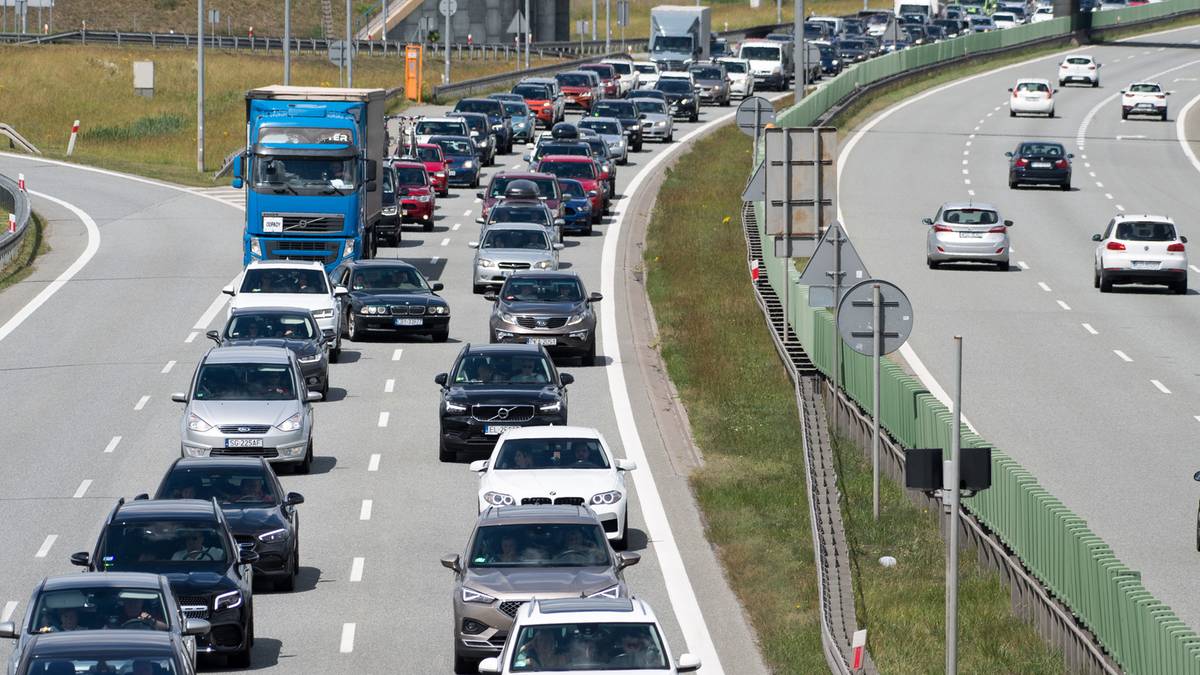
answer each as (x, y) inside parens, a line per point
(404, 212)
(243, 442)
(409, 322)
(453, 173)
(971, 235)
(497, 429)
(1145, 105)
(1145, 264)
(545, 342)
(1032, 98)
(1040, 165)
(272, 224)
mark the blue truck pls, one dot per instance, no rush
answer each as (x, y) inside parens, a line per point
(310, 171)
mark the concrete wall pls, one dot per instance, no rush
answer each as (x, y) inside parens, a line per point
(487, 21)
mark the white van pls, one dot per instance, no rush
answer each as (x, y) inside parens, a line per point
(767, 63)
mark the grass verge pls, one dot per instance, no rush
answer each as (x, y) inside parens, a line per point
(735, 14)
(751, 489)
(32, 246)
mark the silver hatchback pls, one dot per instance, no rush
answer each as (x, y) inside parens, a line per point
(249, 402)
(967, 232)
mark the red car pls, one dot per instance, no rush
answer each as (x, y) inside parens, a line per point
(577, 88)
(539, 96)
(414, 191)
(547, 187)
(608, 77)
(584, 170)
(436, 165)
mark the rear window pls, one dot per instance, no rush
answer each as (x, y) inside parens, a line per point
(735, 67)
(1145, 231)
(646, 68)
(537, 215)
(411, 175)
(1033, 87)
(610, 109)
(534, 91)
(1146, 88)
(970, 216)
(707, 73)
(485, 106)
(622, 68)
(429, 154)
(1042, 149)
(573, 80)
(426, 128)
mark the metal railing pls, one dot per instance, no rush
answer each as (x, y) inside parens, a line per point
(14, 199)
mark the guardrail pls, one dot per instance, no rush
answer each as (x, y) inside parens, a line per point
(14, 199)
(443, 92)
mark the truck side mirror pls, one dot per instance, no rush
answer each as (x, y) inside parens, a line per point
(372, 186)
(372, 169)
(236, 183)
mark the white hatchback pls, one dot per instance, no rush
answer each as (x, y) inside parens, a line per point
(1140, 249)
(1031, 96)
(1077, 67)
(291, 283)
(1005, 20)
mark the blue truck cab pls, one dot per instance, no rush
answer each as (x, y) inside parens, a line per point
(310, 171)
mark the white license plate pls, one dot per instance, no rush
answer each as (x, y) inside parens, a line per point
(453, 173)
(1040, 165)
(243, 442)
(1032, 98)
(1145, 264)
(409, 322)
(404, 212)
(497, 429)
(1145, 105)
(272, 224)
(971, 235)
(546, 342)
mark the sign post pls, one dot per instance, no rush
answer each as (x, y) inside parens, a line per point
(950, 505)
(447, 8)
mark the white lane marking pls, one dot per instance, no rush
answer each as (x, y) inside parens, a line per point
(383, 418)
(1121, 355)
(1099, 184)
(1089, 165)
(1196, 417)
(982, 121)
(191, 337)
(9, 608)
(970, 136)
(373, 464)
(1080, 135)
(389, 386)
(364, 512)
(971, 192)
(44, 550)
(82, 489)
(1063, 305)
(396, 354)
(968, 144)
(433, 260)
(167, 368)
(966, 181)
(1181, 135)
(478, 200)
(446, 241)
(1041, 284)
(1108, 195)
(347, 644)
(1088, 328)
(990, 114)
(965, 162)
(1021, 263)
(93, 245)
(112, 445)
(141, 402)
(1119, 207)
(966, 172)
(1159, 385)
(209, 314)
(996, 108)
(1194, 269)
(1131, 137)
(467, 212)
(1085, 157)
(455, 227)
(1092, 174)
(976, 128)
(966, 153)
(356, 570)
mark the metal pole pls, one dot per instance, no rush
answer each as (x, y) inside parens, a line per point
(799, 60)
(594, 20)
(787, 204)
(528, 33)
(778, 11)
(200, 86)
(951, 506)
(837, 298)
(383, 25)
(349, 53)
(877, 351)
(607, 26)
(287, 42)
(446, 51)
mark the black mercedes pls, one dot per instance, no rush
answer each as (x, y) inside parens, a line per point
(288, 327)
(390, 297)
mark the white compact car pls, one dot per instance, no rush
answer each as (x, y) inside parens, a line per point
(741, 79)
(1042, 13)
(1077, 67)
(291, 283)
(1144, 98)
(557, 465)
(1004, 20)
(1033, 97)
(1140, 249)
(647, 74)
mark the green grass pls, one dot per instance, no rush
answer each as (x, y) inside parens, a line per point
(739, 400)
(33, 245)
(266, 16)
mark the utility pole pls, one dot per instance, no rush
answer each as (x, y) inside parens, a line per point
(383, 26)
(594, 20)
(778, 11)
(287, 42)
(607, 26)
(800, 59)
(950, 483)
(349, 50)
(446, 50)
(200, 86)
(528, 33)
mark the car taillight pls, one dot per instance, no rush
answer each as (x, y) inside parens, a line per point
(1115, 246)
(1021, 161)
(999, 229)
(941, 228)
(1160, 97)
(1060, 164)
(1175, 248)
(1016, 93)
(1091, 67)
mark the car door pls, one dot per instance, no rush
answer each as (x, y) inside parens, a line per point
(1104, 238)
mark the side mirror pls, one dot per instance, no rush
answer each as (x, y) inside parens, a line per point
(490, 296)
(595, 297)
(489, 665)
(81, 559)
(1070, 155)
(451, 562)
(1054, 91)
(1008, 223)
(481, 221)
(687, 663)
(293, 499)
(1010, 89)
(1096, 237)
(592, 193)
(196, 627)
(479, 465)
(1122, 91)
(340, 291)
(1196, 476)
(141, 496)
(248, 557)
(8, 629)
(473, 244)
(372, 169)
(214, 336)
(566, 378)
(479, 195)
(372, 186)
(236, 183)
(313, 396)
(179, 397)
(525, 157)
(627, 559)
(437, 286)
(927, 221)
(440, 378)
(1183, 239)
(228, 290)
(626, 465)
(559, 222)
(1008, 154)
(559, 247)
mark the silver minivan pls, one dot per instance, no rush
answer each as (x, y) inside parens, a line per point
(249, 402)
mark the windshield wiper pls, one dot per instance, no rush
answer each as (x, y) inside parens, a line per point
(331, 189)
(285, 188)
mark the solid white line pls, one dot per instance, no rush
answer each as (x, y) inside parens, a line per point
(9, 608)
(446, 241)
(396, 354)
(389, 386)
(373, 464)
(1088, 328)
(167, 368)
(141, 402)
(356, 570)
(455, 227)
(93, 245)
(112, 445)
(1081, 134)
(1160, 386)
(191, 337)
(1022, 264)
(1181, 135)
(1063, 305)
(1194, 269)
(1121, 355)
(347, 644)
(383, 419)
(82, 489)
(206, 318)
(1042, 285)
(364, 513)
(45, 548)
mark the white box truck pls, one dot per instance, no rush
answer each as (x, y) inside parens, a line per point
(680, 33)
(930, 8)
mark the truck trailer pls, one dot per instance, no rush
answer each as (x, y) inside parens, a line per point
(680, 33)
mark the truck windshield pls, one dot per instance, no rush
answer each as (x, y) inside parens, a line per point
(323, 175)
(672, 43)
(760, 53)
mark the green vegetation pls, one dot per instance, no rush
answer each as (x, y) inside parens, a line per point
(33, 245)
(752, 489)
(265, 16)
(732, 13)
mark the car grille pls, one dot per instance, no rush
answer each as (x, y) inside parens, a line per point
(514, 266)
(501, 413)
(511, 607)
(245, 452)
(542, 322)
(323, 251)
(538, 501)
(321, 224)
(194, 606)
(409, 310)
(244, 428)
(245, 540)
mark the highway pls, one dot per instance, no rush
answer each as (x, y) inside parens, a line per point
(113, 321)
(1095, 394)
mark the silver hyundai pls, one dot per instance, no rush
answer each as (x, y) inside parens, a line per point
(249, 402)
(506, 248)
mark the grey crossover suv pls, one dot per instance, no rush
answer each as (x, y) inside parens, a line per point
(551, 309)
(249, 402)
(516, 553)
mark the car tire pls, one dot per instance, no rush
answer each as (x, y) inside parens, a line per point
(1180, 287)
(1124, 115)
(1003, 266)
(351, 334)
(1062, 83)
(325, 387)
(589, 359)
(446, 455)
(478, 289)
(1164, 116)
(1095, 83)
(1105, 283)
(441, 335)
(1095, 278)
(1012, 113)
(587, 231)
(242, 659)
(1050, 114)
(1066, 187)
(1012, 184)
(287, 583)
(694, 118)
(671, 137)
(933, 265)
(336, 352)
(305, 465)
(465, 666)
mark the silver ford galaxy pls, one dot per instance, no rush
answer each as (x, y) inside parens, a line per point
(249, 402)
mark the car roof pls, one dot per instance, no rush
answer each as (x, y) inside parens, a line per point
(1126, 217)
(109, 643)
(244, 354)
(1156, 84)
(565, 158)
(408, 164)
(447, 137)
(982, 206)
(224, 462)
(147, 509)
(287, 264)
(476, 98)
(587, 610)
(530, 227)
(102, 580)
(543, 274)
(541, 513)
(523, 175)
(239, 311)
(503, 348)
(551, 432)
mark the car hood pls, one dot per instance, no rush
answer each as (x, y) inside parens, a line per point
(543, 308)
(300, 347)
(197, 583)
(244, 412)
(310, 301)
(515, 254)
(656, 117)
(508, 394)
(254, 520)
(542, 581)
(559, 482)
(395, 298)
(709, 83)
(612, 138)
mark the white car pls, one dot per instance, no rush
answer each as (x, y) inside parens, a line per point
(1140, 249)
(291, 283)
(587, 635)
(647, 74)
(1042, 13)
(1144, 98)
(627, 75)
(557, 465)
(741, 79)
(427, 127)
(1004, 20)
(1077, 67)
(1031, 96)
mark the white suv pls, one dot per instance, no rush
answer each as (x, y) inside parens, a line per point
(1144, 98)
(291, 283)
(627, 75)
(1140, 249)
(588, 635)
(1077, 67)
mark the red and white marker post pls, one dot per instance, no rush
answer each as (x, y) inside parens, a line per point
(21, 181)
(74, 133)
(754, 270)
(12, 223)
(858, 649)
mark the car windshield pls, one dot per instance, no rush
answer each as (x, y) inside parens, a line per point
(650, 106)
(562, 149)
(540, 545)
(244, 382)
(1003, 16)
(754, 53)
(533, 91)
(410, 176)
(515, 108)
(706, 73)
(1042, 149)
(248, 487)
(513, 213)
(970, 217)
(622, 67)
(1145, 231)
(444, 128)
(101, 664)
(329, 175)
(573, 80)
(599, 148)
(456, 147)
(273, 325)
(429, 153)
(672, 43)
(487, 107)
(476, 124)
(734, 67)
(583, 647)
(502, 369)
(534, 240)
(378, 279)
(646, 68)
(569, 169)
(609, 128)
(99, 608)
(552, 289)
(389, 182)
(270, 280)
(618, 110)
(572, 188)
(545, 186)
(550, 453)
(146, 545)
(675, 86)
(1145, 88)
(603, 71)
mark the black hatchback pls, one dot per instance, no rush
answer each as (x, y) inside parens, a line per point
(1039, 163)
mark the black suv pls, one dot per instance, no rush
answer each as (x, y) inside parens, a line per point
(625, 111)
(189, 542)
(681, 97)
(494, 388)
(261, 515)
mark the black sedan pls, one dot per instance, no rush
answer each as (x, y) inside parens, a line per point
(288, 327)
(391, 297)
(681, 97)
(261, 515)
(625, 111)
(1039, 163)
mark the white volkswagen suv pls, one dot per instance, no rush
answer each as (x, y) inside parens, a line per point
(291, 283)
(1140, 249)
(1077, 67)
(1144, 98)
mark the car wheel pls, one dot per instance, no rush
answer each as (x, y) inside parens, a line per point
(242, 659)
(463, 665)
(933, 264)
(428, 226)
(287, 584)
(671, 137)
(1095, 83)
(444, 454)
(336, 352)
(1062, 83)
(587, 231)
(351, 333)
(1105, 283)
(478, 289)
(1002, 266)
(1050, 114)
(1095, 278)
(589, 359)
(1066, 187)
(305, 466)
(441, 335)
(1164, 116)
(1012, 113)
(695, 117)
(622, 542)
(1012, 184)
(1124, 115)
(325, 387)
(1180, 287)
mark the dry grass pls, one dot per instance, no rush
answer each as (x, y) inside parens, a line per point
(33, 245)
(726, 14)
(266, 16)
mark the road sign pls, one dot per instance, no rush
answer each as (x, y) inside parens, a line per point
(582, 26)
(856, 317)
(518, 24)
(338, 53)
(801, 180)
(753, 113)
(756, 189)
(622, 13)
(448, 7)
(835, 256)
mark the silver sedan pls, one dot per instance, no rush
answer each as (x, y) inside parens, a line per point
(507, 248)
(967, 232)
(612, 133)
(657, 121)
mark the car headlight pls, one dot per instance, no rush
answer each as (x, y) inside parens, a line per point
(662, 123)
(454, 408)
(370, 310)
(610, 497)
(347, 251)
(507, 318)
(328, 312)
(551, 407)
(389, 210)
(613, 591)
(292, 423)
(472, 595)
(438, 309)
(685, 101)
(468, 164)
(255, 246)
(230, 600)
(498, 499)
(424, 198)
(195, 423)
(276, 535)
(440, 174)
(543, 264)
(484, 262)
(311, 359)
(577, 318)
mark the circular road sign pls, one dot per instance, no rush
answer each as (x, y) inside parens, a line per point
(448, 7)
(856, 314)
(754, 113)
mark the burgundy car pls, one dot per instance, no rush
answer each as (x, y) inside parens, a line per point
(414, 191)
(547, 187)
(436, 165)
(608, 77)
(584, 170)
